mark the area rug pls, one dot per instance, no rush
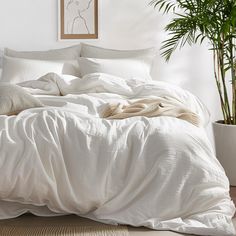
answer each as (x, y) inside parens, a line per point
(71, 225)
(102, 230)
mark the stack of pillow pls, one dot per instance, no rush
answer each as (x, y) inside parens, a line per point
(78, 60)
(122, 63)
(22, 66)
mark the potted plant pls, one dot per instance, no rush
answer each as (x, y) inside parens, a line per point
(214, 20)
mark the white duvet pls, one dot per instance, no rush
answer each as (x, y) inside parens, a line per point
(155, 172)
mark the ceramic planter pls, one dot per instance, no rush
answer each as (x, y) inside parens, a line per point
(225, 142)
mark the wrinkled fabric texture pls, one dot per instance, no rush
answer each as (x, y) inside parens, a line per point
(151, 108)
(14, 99)
(54, 84)
(156, 172)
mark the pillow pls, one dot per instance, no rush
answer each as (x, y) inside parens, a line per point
(128, 68)
(69, 53)
(14, 99)
(16, 70)
(103, 53)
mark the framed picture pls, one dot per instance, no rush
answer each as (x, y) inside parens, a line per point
(78, 19)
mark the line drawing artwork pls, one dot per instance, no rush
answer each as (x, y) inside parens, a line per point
(79, 16)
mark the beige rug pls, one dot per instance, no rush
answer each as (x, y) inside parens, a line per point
(61, 226)
(79, 224)
(63, 231)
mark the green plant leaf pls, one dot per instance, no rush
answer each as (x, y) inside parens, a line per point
(194, 21)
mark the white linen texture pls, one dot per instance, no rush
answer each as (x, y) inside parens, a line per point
(92, 51)
(66, 56)
(16, 70)
(69, 53)
(129, 68)
(156, 172)
(14, 99)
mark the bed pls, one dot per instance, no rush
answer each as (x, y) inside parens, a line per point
(65, 158)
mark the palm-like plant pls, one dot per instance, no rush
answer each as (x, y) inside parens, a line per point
(213, 20)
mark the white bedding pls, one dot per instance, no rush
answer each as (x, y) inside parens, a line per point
(155, 172)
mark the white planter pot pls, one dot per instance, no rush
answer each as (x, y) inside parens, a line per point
(225, 142)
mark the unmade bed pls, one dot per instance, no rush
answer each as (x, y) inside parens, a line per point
(106, 142)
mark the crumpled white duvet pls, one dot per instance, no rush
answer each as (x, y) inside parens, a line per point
(155, 172)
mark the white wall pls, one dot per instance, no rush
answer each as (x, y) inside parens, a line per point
(124, 24)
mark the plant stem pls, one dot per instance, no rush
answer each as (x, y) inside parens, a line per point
(231, 62)
(222, 72)
(219, 87)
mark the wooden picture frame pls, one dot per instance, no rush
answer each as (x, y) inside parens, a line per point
(78, 19)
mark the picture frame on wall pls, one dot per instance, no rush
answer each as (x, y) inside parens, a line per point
(78, 19)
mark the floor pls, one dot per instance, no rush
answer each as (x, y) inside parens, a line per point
(28, 219)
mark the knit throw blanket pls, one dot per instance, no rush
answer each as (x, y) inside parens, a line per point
(153, 107)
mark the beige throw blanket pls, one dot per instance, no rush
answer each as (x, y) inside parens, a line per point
(153, 107)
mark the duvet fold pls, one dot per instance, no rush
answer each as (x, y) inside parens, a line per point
(178, 102)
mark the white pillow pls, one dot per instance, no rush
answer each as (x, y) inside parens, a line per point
(16, 70)
(104, 53)
(14, 99)
(69, 53)
(128, 68)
